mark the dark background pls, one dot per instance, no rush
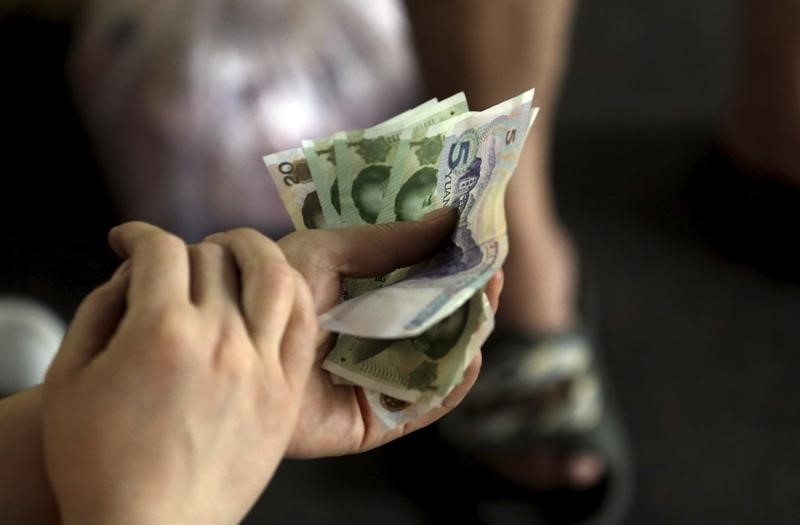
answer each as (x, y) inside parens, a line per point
(702, 347)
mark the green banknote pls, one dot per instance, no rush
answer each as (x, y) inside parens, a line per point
(291, 175)
(364, 158)
(410, 114)
(297, 187)
(411, 192)
(321, 158)
(407, 337)
(415, 369)
(475, 161)
(393, 412)
(365, 161)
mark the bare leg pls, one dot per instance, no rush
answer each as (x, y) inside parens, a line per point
(762, 128)
(492, 51)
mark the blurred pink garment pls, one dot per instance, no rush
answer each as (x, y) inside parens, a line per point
(183, 97)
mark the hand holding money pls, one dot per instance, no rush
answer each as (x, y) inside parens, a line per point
(408, 336)
(335, 419)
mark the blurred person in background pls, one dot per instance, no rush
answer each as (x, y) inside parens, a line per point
(182, 99)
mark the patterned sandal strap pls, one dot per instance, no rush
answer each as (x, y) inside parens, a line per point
(525, 365)
(511, 403)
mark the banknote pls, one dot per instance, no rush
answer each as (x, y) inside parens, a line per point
(416, 173)
(475, 162)
(410, 114)
(418, 369)
(364, 158)
(416, 329)
(321, 158)
(393, 412)
(290, 173)
(292, 177)
(365, 161)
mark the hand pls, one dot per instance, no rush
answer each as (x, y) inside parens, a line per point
(177, 387)
(336, 420)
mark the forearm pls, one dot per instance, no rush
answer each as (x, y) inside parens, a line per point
(25, 495)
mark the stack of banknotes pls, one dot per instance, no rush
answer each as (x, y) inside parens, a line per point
(408, 337)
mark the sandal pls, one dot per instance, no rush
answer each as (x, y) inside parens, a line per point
(444, 469)
(510, 411)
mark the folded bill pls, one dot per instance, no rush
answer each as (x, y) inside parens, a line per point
(408, 337)
(364, 158)
(476, 159)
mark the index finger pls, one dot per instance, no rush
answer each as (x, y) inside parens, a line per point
(159, 263)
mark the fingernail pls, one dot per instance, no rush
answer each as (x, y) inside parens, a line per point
(435, 215)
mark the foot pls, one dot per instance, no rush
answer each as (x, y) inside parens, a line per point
(550, 283)
(535, 395)
(550, 469)
(539, 297)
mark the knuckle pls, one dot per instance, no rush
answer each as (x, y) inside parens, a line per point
(244, 233)
(278, 279)
(173, 339)
(209, 249)
(309, 249)
(230, 362)
(325, 256)
(165, 242)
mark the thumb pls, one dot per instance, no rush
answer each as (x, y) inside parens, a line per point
(374, 249)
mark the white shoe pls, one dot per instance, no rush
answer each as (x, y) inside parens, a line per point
(30, 335)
